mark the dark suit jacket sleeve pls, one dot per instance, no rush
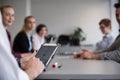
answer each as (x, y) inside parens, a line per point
(21, 43)
(111, 55)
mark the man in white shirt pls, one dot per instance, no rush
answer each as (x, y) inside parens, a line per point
(108, 38)
(9, 69)
(111, 53)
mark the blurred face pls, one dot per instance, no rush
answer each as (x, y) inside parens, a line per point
(105, 30)
(30, 24)
(43, 32)
(118, 15)
(8, 16)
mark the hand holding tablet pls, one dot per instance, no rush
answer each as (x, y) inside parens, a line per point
(47, 52)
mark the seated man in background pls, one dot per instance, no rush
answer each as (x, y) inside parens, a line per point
(112, 53)
(108, 39)
(39, 38)
(9, 69)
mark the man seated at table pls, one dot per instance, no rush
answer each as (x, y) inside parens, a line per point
(112, 53)
(108, 38)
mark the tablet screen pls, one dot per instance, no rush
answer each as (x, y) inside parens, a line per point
(45, 53)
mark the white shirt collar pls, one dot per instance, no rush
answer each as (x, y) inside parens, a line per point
(108, 35)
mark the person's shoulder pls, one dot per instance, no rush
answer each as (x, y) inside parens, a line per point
(21, 34)
(111, 37)
(35, 36)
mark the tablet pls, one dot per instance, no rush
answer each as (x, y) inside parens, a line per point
(47, 52)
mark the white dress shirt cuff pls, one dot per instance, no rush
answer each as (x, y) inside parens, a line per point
(23, 75)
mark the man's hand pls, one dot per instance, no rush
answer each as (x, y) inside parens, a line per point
(86, 55)
(90, 55)
(26, 58)
(78, 54)
(25, 54)
(34, 67)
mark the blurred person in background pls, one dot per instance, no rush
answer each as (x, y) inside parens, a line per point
(23, 42)
(108, 39)
(39, 38)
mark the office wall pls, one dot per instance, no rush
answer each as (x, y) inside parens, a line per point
(61, 16)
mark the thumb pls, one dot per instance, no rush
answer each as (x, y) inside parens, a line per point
(84, 50)
(82, 56)
(32, 55)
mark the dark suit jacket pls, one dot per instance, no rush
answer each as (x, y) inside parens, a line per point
(21, 43)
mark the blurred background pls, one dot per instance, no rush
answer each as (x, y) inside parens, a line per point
(65, 16)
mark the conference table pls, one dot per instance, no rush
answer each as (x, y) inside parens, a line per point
(71, 68)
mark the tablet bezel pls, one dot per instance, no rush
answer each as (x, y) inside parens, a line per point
(53, 53)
